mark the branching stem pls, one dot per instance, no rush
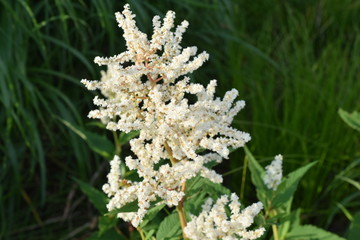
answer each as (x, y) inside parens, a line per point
(168, 150)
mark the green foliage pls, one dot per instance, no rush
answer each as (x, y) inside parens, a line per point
(278, 204)
(351, 119)
(257, 174)
(169, 228)
(130, 207)
(125, 138)
(96, 197)
(354, 229)
(106, 224)
(97, 143)
(150, 215)
(288, 186)
(285, 190)
(309, 232)
(199, 184)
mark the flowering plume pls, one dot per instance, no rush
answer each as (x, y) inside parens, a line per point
(213, 222)
(273, 176)
(143, 92)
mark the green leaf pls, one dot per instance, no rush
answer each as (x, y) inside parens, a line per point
(199, 183)
(96, 197)
(257, 172)
(96, 142)
(194, 202)
(130, 207)
(194, 185)
(132, 175)
(126, 137)
(152, 212)
(289, 185)
(149, 234)
(169, 228)
(309, 232)
(351, 119)
(290, 220)
(354, 229)
(215, 190)
(198, 189)
(106, 223)
(211, 164)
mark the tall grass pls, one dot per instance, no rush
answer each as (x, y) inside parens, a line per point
(294, 62)
(44, 51)
(293, 99)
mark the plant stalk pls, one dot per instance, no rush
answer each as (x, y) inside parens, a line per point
(180, 206)
(243, 180)
(275, 232)
(141, 233)
(168, 150)
(180, 209)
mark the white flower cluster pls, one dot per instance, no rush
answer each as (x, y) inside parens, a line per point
(273, 176)
(142, 93)
(213, 222)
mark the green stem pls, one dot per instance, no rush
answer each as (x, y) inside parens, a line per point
(243, 180)
(180, 206)
(180, 210)
(275, 232)
(117, 144)
(141, 233)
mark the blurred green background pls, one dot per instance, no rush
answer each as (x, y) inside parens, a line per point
(294, 62)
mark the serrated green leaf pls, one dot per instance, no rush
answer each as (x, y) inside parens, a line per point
(289, 185)
(96, 197)
(309, 232)
(169, 228)
(354, 229)
(96, 142)
(130, 207)
(351, 119)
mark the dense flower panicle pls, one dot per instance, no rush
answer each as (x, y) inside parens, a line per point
(172, 63)
(273, 176)
(145, 89)
(213, 222)
(122, 191)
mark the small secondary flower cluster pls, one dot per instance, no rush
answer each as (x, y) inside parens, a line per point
(141, 94)
(213, 223)
(273, 176)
